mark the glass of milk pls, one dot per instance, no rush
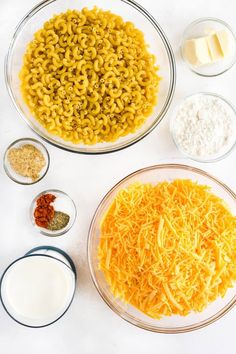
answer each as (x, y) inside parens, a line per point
(38, 288)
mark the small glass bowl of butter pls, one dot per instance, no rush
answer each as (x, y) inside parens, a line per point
(209, 47)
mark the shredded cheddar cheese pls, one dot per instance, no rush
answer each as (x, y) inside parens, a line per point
(168, 249)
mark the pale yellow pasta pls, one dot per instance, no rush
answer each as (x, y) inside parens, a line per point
(88, 77)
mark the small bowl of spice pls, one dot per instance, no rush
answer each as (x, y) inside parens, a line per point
(53, 212)
(203, 127)
(26, 161)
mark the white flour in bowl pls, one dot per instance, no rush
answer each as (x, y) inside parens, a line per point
(204, 126)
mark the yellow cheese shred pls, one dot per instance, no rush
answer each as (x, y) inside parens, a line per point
(168, 248)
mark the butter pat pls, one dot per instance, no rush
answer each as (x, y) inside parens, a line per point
(223, 39)
(196, 51)
(214, 47)
(208, 49)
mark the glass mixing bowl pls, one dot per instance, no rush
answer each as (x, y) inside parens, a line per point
(172, 324)
(130, 11)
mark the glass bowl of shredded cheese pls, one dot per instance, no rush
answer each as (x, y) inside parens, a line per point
(162, 248)
(91, 76)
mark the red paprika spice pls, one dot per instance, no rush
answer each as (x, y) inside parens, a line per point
(44, 211)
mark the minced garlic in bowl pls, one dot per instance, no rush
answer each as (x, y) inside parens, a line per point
(26, 161)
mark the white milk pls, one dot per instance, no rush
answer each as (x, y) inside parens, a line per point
(36, 290)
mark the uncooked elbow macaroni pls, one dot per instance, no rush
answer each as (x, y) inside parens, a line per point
(88, 77)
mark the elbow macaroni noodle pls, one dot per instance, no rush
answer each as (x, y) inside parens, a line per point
(87, 77)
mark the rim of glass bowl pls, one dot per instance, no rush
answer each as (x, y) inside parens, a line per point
(125, 315)
(204, 19)
(27, 255)
(72, 148)
(8, 173)
(41, 231)
(171, 127)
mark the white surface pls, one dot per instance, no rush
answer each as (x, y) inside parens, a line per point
(90, 326)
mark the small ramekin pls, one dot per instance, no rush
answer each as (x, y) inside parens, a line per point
(213, 158)
(199, 28)
(15, 176)
(70, 209)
